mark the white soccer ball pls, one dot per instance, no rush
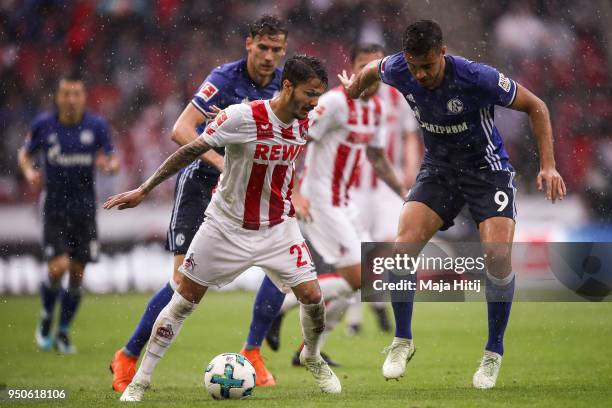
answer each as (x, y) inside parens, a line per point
(229, 376)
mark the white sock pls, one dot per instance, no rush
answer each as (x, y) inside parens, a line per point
(334, 312)
(312, 319)
(354, 314)
(166, 328)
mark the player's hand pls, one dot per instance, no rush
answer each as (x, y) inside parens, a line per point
(129, 199)
(213, 112)
(550, 179)
(107, 164)
(345, 80)
(302, 206)
(34, 178)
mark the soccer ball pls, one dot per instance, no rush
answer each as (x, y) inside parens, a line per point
(229, 376)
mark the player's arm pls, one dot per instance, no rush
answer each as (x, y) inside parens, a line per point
(31, 174)
(108, 163)
(301, 204)
(184, 132)
(356, 84)
(383, 169)
(539, 120)
(179, 159)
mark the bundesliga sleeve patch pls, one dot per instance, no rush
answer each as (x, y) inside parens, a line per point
(504, 82)
(207, 91)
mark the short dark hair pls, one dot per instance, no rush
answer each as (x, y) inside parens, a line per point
(421, 37)
(365, 48)
(301, 68)
(72, 76)
(268, 25)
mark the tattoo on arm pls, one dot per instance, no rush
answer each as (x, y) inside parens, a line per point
(179, 159)
(383, 169)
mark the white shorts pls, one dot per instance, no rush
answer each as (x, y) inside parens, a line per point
(221, 250)
(336, 233)
(380, 210)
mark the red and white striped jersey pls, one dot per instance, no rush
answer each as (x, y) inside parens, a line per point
(260, 151)
(398, 119)
(340, 130)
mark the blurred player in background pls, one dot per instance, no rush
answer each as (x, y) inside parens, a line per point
(250, 220)
(465, 162)
(255, 77)
(379, 206)
(72, 143)
(343, 130)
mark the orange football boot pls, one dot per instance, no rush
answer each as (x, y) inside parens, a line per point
(263, 377)
(123, 368)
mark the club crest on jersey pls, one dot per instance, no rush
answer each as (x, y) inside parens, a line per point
(52, 138)
(207, 91)
(86, 137)
(220, 118)
(454, 106)
(504, 82)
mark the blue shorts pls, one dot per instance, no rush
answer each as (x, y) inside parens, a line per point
(487, 193)
(192, 194)
(74, 235)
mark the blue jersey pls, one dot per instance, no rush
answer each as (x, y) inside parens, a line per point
(69, 154)
(227, 85)
(457, 117)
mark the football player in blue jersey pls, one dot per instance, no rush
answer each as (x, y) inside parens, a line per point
(72, 142)
(255, 77)
(465, 163)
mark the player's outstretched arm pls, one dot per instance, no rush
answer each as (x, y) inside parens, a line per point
(384, 169)
(171, 166)
(356, 84)
(539, 120)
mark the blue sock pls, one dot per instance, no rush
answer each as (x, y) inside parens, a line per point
(71, 298)
(268, 302)
(499, 303)
(49, 293)
(402, 303)
(145, 325)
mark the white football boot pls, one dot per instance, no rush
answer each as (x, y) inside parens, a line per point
(486, 375)
(323, 375)
(399, 354)
(134, 392)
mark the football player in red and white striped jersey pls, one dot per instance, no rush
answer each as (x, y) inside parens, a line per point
(342, 132)
(379, 207)
(250, 220)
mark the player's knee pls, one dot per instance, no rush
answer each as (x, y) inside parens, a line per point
(497, 260)
(57, 267)
(355, 283)
(310, 296)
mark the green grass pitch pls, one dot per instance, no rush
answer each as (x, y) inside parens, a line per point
(557, 354)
